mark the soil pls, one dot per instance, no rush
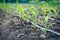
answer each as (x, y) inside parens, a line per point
(13, 28)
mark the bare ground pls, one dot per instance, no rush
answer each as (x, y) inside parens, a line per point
(13, 28)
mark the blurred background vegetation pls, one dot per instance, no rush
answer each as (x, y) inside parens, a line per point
(27, 1)
(52, 2)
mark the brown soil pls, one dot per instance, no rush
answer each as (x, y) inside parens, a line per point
(13, 28)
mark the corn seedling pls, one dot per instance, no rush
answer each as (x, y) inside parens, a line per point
(47, 15)
(33, 13)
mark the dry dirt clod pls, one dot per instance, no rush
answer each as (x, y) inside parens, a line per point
(42, 36)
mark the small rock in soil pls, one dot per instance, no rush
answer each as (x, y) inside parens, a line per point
(42, 36)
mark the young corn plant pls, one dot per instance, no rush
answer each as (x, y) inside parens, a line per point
(34, 14)
(23, 14)
(47, 15)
